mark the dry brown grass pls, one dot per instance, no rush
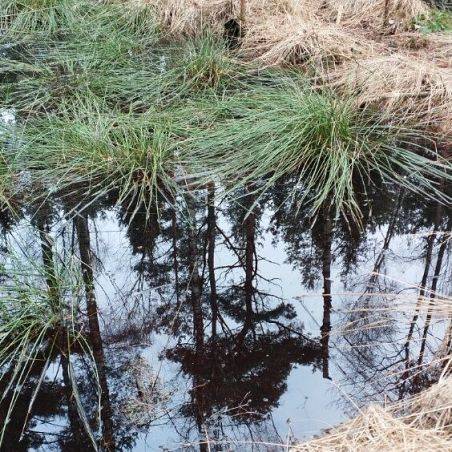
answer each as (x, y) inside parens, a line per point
(400, 85)
(435, 47)
(423, 422)
(290, 39)
(372, 13)
(181, 18)
(420, 422)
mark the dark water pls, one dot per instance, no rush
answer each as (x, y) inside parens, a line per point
(242, 329)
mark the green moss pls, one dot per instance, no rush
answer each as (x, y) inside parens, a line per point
(435, 21)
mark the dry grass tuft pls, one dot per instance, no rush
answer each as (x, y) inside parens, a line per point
(182, 18)
(431, 409)
(436, 47)
(400, 85)
(289, 39)
(423, 422)
(399, 14)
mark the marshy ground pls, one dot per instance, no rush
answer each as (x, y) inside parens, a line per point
(225, 225)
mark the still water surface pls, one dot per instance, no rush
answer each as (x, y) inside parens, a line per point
(243, 329)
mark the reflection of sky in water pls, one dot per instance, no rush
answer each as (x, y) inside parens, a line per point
(310, 402)
(7, 116)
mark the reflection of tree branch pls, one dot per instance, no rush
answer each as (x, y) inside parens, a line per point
(421, 297)
(231, 245)
(291, 330)
(325, 329)
(386, 242)
(211, 229)
(433, 294)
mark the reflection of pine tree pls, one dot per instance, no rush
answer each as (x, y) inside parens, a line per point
(249, 380)
(49, 403)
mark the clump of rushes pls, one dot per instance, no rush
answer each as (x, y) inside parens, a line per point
(207, 64)
(44, 84)
(22, 19)
(325, 141)
(203, 65)
(37, 323)
(99, 152)
(107, 54)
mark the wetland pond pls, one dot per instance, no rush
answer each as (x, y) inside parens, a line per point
(224, 326)
(189, 259)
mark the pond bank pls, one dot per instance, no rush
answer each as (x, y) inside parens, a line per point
(421, 423)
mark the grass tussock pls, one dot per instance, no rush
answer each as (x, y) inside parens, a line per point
(203, 65)
(40, 18)
(325, 141)
(37, 322)
(420, 423)
(109, 55)
(45, 84)
(104, 151)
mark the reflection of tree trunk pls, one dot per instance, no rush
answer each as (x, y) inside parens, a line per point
(47, 259)
(327, 300)
(195, 287)
(199, 403)
(211, 234)
(13, 435)
(249, 226)
(81, 224)
(433, 294)
(250, 249)
(250, 231)
(76, 427)
(195, 284)
(386, 242)
(175, 262)
(428, 260)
